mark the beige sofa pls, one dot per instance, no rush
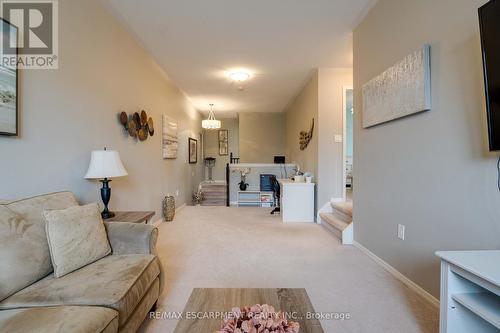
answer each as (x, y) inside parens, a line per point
(113, 294)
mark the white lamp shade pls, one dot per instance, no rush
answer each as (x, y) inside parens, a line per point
(105, 164)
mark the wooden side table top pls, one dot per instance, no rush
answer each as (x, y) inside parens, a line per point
(221, 300)
(132, 217)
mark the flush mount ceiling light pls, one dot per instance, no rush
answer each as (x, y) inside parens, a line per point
(211, 122)
(239, 76)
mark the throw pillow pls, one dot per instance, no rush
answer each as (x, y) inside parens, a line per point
(20, 248)
(76, 236)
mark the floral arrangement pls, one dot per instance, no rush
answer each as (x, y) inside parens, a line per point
(257, 319)
(243, 172)
(198, 197)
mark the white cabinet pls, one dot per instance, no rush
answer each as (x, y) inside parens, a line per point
(297, 201)
(470, 291)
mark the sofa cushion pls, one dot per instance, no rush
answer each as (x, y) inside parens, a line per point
(31, 210)
(21, 253)
(76, 237)
(59, 319)
(116, 281)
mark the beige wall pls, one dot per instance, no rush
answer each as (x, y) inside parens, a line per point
(212, 147)
(299, 115)
(429, 171)
(262, 136)
(331, 122)
(66, 113)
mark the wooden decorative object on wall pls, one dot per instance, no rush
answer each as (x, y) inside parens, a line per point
(137, 126)
(305, 137)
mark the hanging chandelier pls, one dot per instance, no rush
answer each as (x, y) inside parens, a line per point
(210, 122)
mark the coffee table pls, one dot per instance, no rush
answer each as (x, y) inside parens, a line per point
(204, 301)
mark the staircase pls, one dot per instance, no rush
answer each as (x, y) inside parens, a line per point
(338, 219)
(214, 193)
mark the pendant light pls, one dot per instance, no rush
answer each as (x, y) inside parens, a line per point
(211, 122)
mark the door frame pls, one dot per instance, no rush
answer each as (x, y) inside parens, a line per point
(344, 139)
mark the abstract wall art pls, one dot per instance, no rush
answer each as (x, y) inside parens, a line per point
(170, 139)
(401, 90)
(8, 84)
(306, 136)
(137, 125)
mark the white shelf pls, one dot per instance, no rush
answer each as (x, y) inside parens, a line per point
(470, 291)
(479, 263)
(485, 305)
(255, 198)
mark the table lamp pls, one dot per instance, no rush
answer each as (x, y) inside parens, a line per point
(105, 164)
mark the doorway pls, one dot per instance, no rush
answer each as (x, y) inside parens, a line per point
(348, 113)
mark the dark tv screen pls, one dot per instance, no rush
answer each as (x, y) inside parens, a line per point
(489, 21)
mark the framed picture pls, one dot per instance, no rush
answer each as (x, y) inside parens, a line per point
(8, 82)
(223, 142)
(170, 140)
(193, 150)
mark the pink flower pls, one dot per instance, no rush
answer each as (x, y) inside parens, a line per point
(257, 319)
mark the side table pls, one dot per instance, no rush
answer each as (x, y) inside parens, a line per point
(131, 217)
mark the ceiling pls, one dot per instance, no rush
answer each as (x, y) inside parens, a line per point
(279, 42)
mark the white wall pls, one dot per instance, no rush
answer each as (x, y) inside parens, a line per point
(66, 113)
(212, 147)
(321, 99)
(430, 171)
(330, 122)
(262, 136)
(299, 114)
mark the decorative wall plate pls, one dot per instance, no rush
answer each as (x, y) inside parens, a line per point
(144, 118)
(137, 125)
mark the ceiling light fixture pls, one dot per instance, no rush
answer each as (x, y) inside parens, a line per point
(211, 122)
(239, 76)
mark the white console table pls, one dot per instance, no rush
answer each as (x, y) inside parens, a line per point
(296, 201)
(470, 291)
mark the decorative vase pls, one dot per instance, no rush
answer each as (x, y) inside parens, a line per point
(169, 208)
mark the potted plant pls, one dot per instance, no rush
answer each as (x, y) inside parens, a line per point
(198, 197)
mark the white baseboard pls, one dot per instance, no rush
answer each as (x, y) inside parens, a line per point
(394, 272)
(180, 207)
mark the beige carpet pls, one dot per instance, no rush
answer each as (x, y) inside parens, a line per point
(248, 248)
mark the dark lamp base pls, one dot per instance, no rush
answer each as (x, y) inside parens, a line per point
(107, 215)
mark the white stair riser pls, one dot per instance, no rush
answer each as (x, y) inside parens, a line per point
(336, 232)
(342, 216)
(345, 234)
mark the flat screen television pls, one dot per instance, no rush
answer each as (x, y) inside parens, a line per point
(489, 22)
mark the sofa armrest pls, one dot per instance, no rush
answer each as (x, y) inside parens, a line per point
(132, 238)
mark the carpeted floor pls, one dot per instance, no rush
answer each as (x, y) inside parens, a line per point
(221, 247)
